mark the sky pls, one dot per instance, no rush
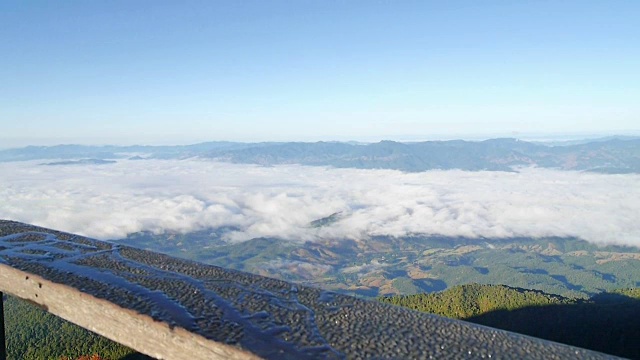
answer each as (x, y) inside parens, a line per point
(175, 72)
(111, 201)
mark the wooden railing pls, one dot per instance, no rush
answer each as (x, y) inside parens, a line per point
(171, 308)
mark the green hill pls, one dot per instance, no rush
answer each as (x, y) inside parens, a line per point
(606, 322)
(464, 301)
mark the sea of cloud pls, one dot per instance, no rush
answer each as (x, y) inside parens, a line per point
(111, 201)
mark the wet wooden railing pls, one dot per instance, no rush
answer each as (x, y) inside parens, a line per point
(171, 308)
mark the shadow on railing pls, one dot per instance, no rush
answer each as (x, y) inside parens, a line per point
(607, 323)
(170, 308)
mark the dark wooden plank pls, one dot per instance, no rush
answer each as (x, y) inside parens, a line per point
(178, 309)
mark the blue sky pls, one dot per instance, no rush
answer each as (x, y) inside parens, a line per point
(166, 72)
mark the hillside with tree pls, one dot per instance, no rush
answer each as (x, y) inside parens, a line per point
(607, 322)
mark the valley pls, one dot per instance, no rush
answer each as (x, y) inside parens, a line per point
(380, 266)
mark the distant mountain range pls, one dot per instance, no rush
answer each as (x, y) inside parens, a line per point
(610, 155)
(81, 162)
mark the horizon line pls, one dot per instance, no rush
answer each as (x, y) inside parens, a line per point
(549, 137)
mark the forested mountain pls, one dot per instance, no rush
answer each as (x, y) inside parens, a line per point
(606, 322)
(614, 155)
(385, 265)
(465, 301)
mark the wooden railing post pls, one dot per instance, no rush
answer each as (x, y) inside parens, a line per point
(3, 345)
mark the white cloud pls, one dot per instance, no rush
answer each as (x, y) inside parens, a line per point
(115, 200)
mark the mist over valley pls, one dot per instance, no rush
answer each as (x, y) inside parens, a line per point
(347, 226)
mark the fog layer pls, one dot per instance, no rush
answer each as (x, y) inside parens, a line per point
(111, 201)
